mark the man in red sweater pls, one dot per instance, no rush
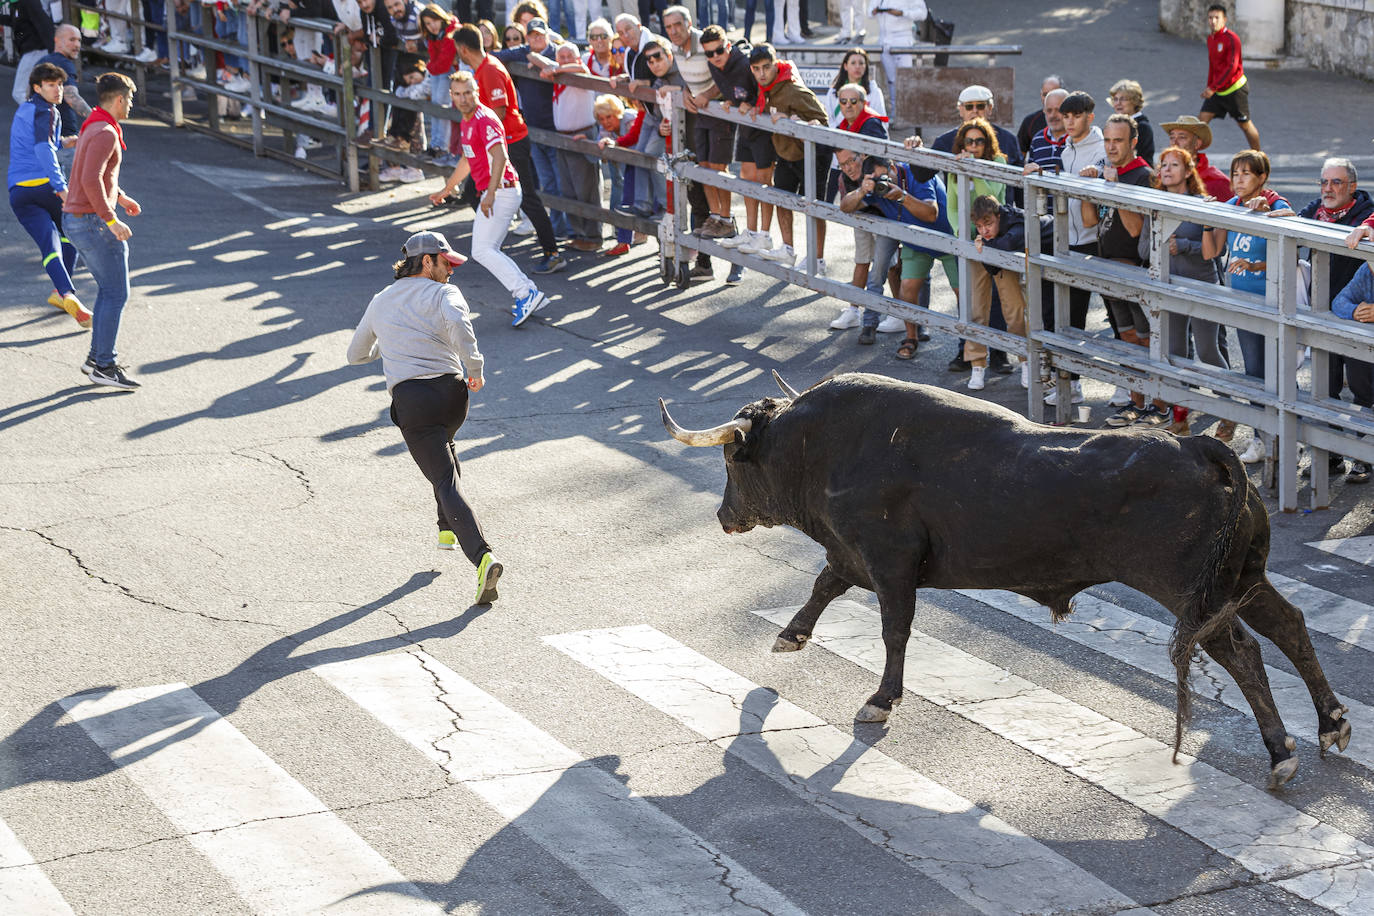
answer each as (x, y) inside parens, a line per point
(94, 228)
(1227, 91)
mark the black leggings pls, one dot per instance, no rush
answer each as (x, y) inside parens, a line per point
(429, 412)
(530, 202)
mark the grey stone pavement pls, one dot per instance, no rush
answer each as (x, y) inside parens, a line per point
(251, 513)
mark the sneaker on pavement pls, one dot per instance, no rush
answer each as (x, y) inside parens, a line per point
(524, 227)
(1120, 397)
(851, 316)
(616, 251)
(701, 270)
(409, 175)
(488, 574)
(958, 364)
(1025, 374)
(114, 377)
(868, 336)
(719, 228)
(448, 540)
(977, 378)
(526, 306)
(1152, 416)
(1075, 394)
(891, 324)
(1254, 452)
(1359, 471)
(88, 367)
(551, 264)
(784, 254)
(735, 276)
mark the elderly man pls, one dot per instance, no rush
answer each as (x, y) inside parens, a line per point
(1037, 120)
(1047, 144)
(574, 115)
(634, 38)
(1342, 203)
(1195, 136)
(711, 139)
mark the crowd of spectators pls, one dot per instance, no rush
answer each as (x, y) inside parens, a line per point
(423, 48)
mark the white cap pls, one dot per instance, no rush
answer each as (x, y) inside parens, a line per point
(975, 93)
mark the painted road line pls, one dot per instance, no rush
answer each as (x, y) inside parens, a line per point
(1358, 550)
(630, 851)
(23, 886)
(1242, 822)
(979, 858)
(1142, 642)
(1326, 612)
(277, 844)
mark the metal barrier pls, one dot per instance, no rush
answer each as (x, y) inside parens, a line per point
(1276, 407)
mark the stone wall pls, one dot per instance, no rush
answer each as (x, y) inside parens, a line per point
(1332, 35)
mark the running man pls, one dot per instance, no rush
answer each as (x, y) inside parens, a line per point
(485, 157)
(1227, 90)
(38, 188)
(421, 329)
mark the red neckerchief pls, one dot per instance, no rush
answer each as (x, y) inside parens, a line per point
(1200, 161)
(868, 114)
(1136, 163)
(99, 114)
(785, 71)
(1049, 138)
(1333, 216)
(558, 90)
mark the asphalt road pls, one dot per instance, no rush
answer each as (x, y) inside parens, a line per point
(239, 678)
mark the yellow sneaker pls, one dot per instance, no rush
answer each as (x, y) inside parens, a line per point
(72, 306)
(55, 299)
(488, 574)
(448, 540)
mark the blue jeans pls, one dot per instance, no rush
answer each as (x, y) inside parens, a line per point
(155, 12)
(108, 260)
(231, 29)
(884, 254)
(622, 192)
(769, 10)
(39, 211)
(546, 167)
(560, 11)
(1252, 348)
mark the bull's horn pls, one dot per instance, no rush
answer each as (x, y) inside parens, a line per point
(718, 435)
(786, 388)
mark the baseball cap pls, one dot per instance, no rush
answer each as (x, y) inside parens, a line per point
(431, 243)
(1198, 128)
(538, 25)
(975, 93)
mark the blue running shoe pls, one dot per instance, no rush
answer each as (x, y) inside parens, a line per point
(527, 305)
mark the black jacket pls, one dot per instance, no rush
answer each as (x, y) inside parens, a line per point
(735, 80)
(1343, 268)
(1011, 234)
(33, 27)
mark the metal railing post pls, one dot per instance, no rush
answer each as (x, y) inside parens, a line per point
(174, 63)
(810, 190)
(343, 53)
(256, 34)
(680, 224)
(964, 301)
(1035, 322)
(1285, 378)
(376, 117)
(1063, 404)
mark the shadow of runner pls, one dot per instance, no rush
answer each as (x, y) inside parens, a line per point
(44, 749)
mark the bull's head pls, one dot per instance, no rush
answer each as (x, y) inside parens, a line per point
(750, 497)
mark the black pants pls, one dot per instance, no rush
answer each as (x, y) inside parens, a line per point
(530, 202)
(1078, 301)
(1360, 376)
(428, 412)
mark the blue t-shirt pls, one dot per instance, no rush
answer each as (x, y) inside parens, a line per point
(1251, 248)
(932, 189)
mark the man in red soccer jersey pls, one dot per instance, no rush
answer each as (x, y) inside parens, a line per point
(1227, 91)
(498, 188)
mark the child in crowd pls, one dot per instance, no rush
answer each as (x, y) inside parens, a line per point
(1003, 226)
(438, 26)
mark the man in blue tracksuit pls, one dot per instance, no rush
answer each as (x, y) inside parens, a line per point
(38, 187)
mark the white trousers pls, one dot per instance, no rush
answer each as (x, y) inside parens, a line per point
(488, 232)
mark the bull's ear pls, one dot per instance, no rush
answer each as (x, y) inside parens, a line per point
(735, 450)
(739, 437)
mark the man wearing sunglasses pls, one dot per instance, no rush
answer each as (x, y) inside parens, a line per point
(753, 147)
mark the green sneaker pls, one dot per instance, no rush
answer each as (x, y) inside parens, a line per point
(488, 574)
(448, 540)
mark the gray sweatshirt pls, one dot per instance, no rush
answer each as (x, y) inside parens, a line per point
(420, 329)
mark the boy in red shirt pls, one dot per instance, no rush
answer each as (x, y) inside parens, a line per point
(1227, 91)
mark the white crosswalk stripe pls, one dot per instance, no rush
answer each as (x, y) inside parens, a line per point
(627, 849)
(277, 844)
(973, 854)
(1335, 615)
(24, 888)
(1358, 550)
(1141, 642)
(1250, 826)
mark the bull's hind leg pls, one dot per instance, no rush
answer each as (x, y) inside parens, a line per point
(1273, 617)
(1239, 653)
(795, 635)
(898, 603)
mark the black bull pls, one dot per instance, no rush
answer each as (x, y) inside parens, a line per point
(908, 486)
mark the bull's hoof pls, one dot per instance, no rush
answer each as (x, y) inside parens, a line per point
(872, 713)
(1282, 772)
(1340, 737)
(785, 643)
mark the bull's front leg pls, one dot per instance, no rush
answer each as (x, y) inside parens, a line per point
(898, 606)
(795, 635)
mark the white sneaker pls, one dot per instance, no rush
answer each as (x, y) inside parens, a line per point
(146, 56)
(247, 111)
(1120, 397)
(523, 227)
(977, 378)
(306, 142)
(410, 175)
(891, 324)
(784, 254)
(1254, 452)
(851, 316)
(390, 173)
(738, 240)
(116, 47)
(188, 94)
(820, 268)
(1025, 374)
(758, 243)
(197, 72)
(1076, 396)
(238, 83)
(306, 102)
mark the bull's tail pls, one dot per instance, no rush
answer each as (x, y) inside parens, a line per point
(1208, 613)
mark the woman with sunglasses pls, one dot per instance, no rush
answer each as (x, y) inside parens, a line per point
(513, 36)
(601, 58)
(974, 139)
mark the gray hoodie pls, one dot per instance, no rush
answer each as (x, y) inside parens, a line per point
(420, 329)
